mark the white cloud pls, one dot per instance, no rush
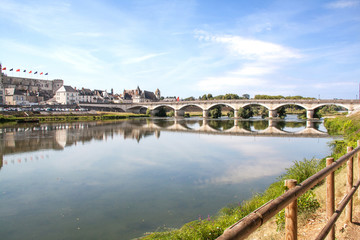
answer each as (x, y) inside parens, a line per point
(255, 70)
(343, 4)
(216, 83)
(255, 49)
(256, 58)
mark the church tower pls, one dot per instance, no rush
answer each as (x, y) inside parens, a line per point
(157, 94)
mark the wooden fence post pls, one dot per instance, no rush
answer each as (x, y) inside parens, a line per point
(349, 185)
(330, 198)
(291, 214)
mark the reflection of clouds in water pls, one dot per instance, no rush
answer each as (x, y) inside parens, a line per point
(247, 171)
(256, 160)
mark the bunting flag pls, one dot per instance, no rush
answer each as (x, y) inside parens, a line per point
(41, 73)
(18, 70)
(24, 71)
(35, 72)
(4, 68)
(46, 74)
(30, 72)
(11, 69)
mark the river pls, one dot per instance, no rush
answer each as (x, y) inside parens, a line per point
(118, 180)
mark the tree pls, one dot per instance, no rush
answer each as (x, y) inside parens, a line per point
(245, 112)
(246, 96)
(215, 112)
(189, 98)
(281, 112)
(161, 112)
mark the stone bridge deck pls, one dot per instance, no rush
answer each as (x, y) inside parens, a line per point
(205, 106)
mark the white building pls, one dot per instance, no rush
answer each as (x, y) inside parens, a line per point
(67, 95)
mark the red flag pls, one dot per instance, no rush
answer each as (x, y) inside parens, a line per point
(41, 73)
(30, 72)
(18, 70)
(4, 68)
(178, 99)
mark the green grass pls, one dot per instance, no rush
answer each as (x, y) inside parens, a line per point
(69, 117)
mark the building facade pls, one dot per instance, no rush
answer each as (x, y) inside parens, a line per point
(137, 95)
(43, 89)
(67, 95)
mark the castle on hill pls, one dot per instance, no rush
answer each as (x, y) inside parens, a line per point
(25, 91)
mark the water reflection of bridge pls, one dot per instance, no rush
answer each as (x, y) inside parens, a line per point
(272, 129)
(32, 138)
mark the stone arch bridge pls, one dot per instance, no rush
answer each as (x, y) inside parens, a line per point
(272, 105)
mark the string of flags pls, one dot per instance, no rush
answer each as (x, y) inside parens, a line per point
(30, 72)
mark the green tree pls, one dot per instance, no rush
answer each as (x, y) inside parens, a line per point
(245, 112)
(189, 98)
(246, 96)
(161, 112)
(281, 112)
(215, 112)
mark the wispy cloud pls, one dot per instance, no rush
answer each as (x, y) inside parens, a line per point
(88, 34)
(79, 59)
(143, 58)
(343, 4)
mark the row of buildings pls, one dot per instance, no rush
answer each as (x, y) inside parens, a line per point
(30, 91)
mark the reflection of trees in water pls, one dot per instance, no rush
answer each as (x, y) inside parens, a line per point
(260, 125)
(245, 125)
(163, 123)
(283, 124)
(221, 125)
(317, 125)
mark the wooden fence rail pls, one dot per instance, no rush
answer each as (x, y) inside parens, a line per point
(243, 228)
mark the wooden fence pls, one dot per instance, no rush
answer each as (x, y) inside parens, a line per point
(243, 228)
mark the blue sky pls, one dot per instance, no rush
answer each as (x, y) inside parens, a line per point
(188, 47)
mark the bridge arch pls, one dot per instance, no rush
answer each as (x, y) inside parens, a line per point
(163, 105)
(255, 103)
(287, 104)
(189, 105)
(138, 109)
(221, 104)
(331, 104)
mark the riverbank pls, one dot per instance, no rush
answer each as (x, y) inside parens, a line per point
(213, 226)
(24, 117)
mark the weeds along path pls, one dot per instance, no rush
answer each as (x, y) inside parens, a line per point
(310, 225)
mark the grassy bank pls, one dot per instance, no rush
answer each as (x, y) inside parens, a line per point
(213, 226)
(67, 117)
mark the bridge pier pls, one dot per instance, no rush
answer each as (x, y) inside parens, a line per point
(310, 113)
(309, 124)
(205, 113)
(272, 113)
(236, 113)
(179, 113)
(271, 123)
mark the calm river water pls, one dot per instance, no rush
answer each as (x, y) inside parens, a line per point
(118, 180)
